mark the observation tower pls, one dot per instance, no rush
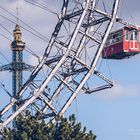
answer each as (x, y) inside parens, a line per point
(17, 66)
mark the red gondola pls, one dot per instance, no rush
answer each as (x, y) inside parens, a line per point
(122, 43)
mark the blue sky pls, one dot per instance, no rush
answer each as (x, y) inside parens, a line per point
(112, 114)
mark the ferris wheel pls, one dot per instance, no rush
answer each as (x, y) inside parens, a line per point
(70, 61)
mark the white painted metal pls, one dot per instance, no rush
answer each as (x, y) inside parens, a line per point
(70, 60)
(96, 58)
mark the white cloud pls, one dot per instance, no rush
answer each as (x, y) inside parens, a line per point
(119, 91)
(32, 60)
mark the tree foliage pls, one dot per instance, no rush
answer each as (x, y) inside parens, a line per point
(31, 128)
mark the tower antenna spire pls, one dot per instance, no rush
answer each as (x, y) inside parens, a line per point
(17, 11)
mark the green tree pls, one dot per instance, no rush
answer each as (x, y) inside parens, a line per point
(31, 128)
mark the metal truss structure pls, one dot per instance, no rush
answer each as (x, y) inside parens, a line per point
(69, 62)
